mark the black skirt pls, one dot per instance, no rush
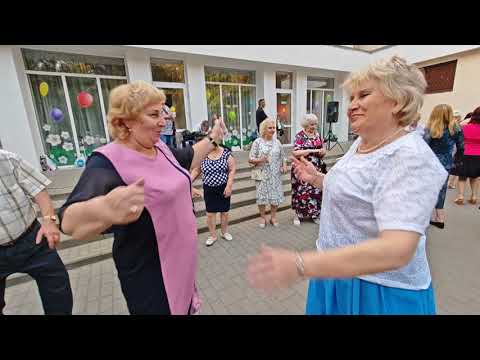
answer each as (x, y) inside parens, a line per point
(457, 165)
(470, 166)
(215, 201)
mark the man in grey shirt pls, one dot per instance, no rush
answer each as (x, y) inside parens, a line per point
(26, 246)
(167, 133)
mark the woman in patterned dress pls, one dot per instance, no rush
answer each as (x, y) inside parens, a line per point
(267, 153)
(307, 199)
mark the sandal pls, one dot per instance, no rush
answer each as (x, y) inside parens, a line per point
(459, 201)
(263, 224)
(210, 241)
(473, 201)
(438, 224)
(274, 223)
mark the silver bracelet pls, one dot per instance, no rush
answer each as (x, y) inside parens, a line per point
(299, 264)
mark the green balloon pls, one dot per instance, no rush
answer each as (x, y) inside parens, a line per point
(232, 116)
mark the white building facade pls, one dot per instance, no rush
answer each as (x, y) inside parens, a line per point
(55, 98)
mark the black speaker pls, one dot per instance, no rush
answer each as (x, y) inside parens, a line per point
(332, 112)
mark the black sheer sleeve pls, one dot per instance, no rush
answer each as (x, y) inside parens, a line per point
(98, 178)
(184, 156)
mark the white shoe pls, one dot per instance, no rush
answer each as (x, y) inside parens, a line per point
(316, 221)
(296, 221)
(210, 241)
(227, 236)
(262, 224)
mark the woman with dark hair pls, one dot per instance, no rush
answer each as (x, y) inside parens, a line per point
(471, 160)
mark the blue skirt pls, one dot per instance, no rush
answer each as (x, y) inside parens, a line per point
(358, 297)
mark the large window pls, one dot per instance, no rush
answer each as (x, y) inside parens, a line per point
(440, 77)
(70, 95)
(319, 93)
(283, 80)
(229, 76)
(168, 71)
(169, 75)
(231, 95)
(317, 82)
(50, 61)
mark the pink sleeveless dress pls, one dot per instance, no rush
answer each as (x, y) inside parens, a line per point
(169, 203)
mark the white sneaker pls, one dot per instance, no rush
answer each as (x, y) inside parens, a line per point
(227, 236)
(316, 221)
(296, 221)
(210, 241)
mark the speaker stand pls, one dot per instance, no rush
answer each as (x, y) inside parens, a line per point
(331, 138)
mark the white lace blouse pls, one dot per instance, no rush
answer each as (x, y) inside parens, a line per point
(393, 188)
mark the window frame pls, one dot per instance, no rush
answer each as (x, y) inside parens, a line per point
(443, 67)
(63, 76)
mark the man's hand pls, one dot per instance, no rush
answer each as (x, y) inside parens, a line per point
(50, 230)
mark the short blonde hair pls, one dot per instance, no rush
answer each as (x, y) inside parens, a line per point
(264, 124)
(399, 81)
(308, 119)
(126, 102)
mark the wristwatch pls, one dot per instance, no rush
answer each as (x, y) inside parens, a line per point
(53, 218)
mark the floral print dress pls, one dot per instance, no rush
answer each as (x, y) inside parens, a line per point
(270, 189)
(307, 199)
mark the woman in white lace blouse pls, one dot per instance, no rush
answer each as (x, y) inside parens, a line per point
(377, 202)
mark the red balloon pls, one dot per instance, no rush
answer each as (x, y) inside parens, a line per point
(84, 99)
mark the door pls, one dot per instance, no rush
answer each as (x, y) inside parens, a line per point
(231, 115)
(284, 117)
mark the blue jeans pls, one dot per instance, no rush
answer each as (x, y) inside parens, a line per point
(441, 196)
(41, 263)
(167, 139)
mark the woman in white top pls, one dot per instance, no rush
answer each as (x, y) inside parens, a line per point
(377, 202)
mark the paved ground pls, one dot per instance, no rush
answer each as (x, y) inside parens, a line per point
(453, 254)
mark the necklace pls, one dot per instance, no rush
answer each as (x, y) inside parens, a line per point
(379, 144)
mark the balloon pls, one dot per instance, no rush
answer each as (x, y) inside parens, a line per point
(80, 162)
(84, 99)
(57, 115)
(43, 88)
(232, 116)
(172, 109)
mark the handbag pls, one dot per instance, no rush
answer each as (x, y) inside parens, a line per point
(257, 174)
(257, 171)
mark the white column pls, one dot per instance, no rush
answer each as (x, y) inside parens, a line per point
(16, 134)
(341, 128)
(300, 100)
(137, 62)
(270, 94)
(197, 94)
